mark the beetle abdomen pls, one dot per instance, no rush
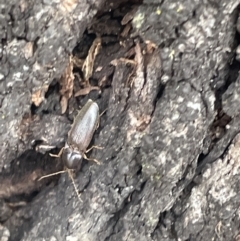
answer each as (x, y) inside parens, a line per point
(84, 126)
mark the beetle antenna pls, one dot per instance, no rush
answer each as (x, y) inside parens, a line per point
(52, 174)
(74, 184)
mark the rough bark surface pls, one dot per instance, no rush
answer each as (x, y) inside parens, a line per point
(168, 75)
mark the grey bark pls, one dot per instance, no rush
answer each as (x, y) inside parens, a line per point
(170, 164)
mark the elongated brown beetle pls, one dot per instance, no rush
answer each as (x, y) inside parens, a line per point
(79, 138)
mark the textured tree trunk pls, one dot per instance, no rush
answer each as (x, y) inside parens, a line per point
(166, 76)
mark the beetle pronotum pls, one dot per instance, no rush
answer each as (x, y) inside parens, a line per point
(79, 138)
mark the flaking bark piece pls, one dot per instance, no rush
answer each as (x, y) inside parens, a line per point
(88, 64)
(66, 83)
(39, 95)
(86, 90)
(129, 16)
(133, 63)
(87, 67)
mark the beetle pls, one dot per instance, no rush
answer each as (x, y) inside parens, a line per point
(79, 137)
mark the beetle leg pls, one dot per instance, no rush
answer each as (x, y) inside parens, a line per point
(99, 118)
(103, 112)
(52, 174)
(58, 155)
(96, 147)
(91, 159)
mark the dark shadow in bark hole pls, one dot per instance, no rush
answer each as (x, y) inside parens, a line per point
(51, 103)
(21, 183)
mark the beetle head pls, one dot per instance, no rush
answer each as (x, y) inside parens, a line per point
(72, 159)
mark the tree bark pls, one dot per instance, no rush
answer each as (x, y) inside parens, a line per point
(170, 164)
